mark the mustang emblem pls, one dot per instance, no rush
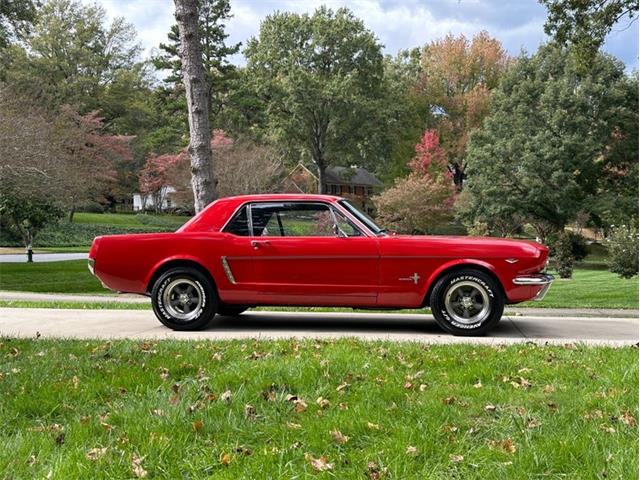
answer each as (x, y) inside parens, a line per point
(415, 278)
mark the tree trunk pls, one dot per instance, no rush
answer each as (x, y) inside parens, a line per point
(198, 101)
(321, 178)
(72, 213)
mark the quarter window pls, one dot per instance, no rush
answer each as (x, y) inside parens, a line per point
(239, 224)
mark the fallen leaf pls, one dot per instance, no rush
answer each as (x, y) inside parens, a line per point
(373, 426)
(31, 460)
(423, 387)
(225, 459)
(291, 398)
(411, 450)
(342, 387)
(506, 445)
(375, 471)
(158, 412)
(533, 423)
(136, 466)
(490, 408)
(96, 453)
(449, 400)
(323, 403)
(164, 373)
(76, 382)
(250, 413)
(628, 419)
(456, 458)
(319, 464)
(294, 426)
(338, 437)
(549, 389)
(607, 428)
(197, 425)
(226, 396)
(478, 384)
(299, 406)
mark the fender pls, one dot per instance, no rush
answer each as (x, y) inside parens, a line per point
(164, 261)
(455, 262)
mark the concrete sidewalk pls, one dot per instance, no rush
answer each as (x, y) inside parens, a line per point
(142, 324)
(130, 298)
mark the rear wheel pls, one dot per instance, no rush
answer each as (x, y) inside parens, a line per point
(184, 299)
(231, 310)
(467, 302)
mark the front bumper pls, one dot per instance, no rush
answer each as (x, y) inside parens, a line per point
(543, 280)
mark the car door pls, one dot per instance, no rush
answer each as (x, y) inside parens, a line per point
(308, 253)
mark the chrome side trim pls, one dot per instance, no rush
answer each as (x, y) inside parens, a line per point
(92, 266)
(541, 279)
(227, 270)
(538, 279)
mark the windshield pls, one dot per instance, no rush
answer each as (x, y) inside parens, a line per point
(363, 217)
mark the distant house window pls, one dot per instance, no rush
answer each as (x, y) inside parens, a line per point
(335, 190)
(351, 189)
(369, 191)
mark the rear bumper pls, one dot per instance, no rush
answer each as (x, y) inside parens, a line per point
(543, 280)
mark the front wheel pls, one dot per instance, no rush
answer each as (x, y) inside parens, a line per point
(467, 302)
(184, 299)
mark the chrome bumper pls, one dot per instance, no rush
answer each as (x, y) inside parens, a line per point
(539, 279)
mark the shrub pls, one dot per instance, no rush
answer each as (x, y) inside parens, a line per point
(623, 250)
(563, 255)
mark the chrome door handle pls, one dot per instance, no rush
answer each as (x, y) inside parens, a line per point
(257, 244)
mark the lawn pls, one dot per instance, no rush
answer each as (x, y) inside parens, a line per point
(60, 277)
(130, 220)
(288, 409)
(587, 288)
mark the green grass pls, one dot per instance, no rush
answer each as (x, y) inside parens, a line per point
(130, 220)
(80, 249)
(52, 277)
(467, 411)
(591, 289)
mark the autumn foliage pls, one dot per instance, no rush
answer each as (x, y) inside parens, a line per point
(424, 199)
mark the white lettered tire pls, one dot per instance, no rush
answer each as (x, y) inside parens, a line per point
(467, 302)
(184, 299)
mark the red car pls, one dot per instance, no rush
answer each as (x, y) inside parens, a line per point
(316, 250)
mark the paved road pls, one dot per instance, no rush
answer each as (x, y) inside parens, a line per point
(42, 257)
(139, 324)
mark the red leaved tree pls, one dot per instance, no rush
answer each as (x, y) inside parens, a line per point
(90, 156)
(424, 200)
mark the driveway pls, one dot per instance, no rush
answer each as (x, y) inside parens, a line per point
(42, 257)
(142, 324)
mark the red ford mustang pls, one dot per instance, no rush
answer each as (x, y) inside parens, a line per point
(316, 250)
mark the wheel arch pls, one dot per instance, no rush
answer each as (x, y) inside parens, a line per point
(168, 264)
(481, 266)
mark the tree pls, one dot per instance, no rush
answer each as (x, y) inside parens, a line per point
(586, 23)
(623, 249)
(425, 198)
(539, 153)
(197, 93)
(320, 77)
(16, 20)
(215, 52)
(72, 57)
(456, 81)
(242, 167)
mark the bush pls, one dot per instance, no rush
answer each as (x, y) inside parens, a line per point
(623, 250)
(563, 255)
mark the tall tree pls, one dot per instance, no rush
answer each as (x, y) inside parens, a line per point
(73, 57)
(320, 77)
(540, 152)
(586, 23)
(457, 78)
(16, 19)
(197, 93)
(212, 15)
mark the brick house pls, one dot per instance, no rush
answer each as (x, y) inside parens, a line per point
(354, 183)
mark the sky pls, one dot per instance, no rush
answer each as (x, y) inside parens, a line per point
(398, 24)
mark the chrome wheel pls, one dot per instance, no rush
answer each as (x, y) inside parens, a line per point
(467, 302)
(183, 299)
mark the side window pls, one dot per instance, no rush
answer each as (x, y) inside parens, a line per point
(239, 224)
(292, 219)
(346, 226)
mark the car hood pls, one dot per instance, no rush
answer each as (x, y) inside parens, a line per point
(476, 246)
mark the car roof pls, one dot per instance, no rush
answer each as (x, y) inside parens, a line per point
(217, 213)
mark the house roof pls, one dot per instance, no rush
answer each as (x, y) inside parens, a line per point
(350, 176)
